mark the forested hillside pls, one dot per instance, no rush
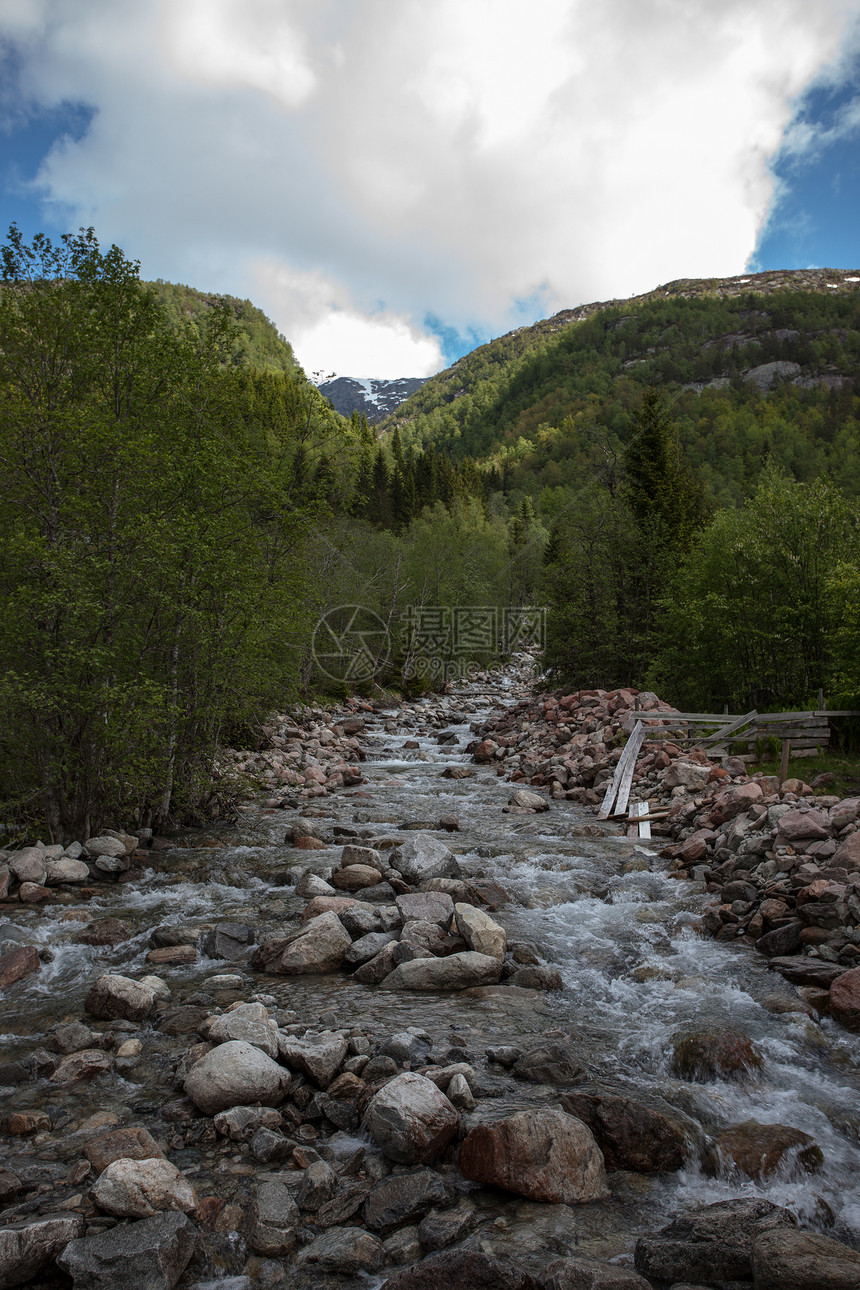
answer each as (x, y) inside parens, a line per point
(256, 341)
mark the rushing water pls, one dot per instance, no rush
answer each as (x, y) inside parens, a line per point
(600, 909)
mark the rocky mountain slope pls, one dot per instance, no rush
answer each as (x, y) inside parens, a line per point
(375, 398)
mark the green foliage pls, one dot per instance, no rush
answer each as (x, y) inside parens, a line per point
(254, 342)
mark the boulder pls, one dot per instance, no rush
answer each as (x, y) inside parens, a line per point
(422, 857)
(356, 877)
(367, 947)
(133, 1143)
(428, 939)
(272, 1220)
(229, 941)
(65, 870)
(317, 946)
(28, 1249)
(319, 1186)
(240, 1123)
(455, 972)
(426, 906)
(631, 1134)
(555, 1062)
(711, 1244)
(236, 1074)
(105, 846)
(103, 931)
(443, 1227)
(357, 855)
(480, 932)
(403, 1198)
(411, 1120)
(344, 1251)
(847, 854)
(29, 865)
(715, 1054)
(142, 1188)
(462, 1270)
(583, 1273)
(113, 998)
(249, 1022)
(544, 1154)
(18, 964)
(311, 884)
(689, 774)
(735, 801)
(802, 826)
(538, 977)
(790, 1260)
(845, 999)
(522, 799)
(319, 1056)
(149, 1255)
(759, 1150)
(85, 1064)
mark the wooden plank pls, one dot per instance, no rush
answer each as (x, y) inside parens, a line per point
(627, 778)
(628, 756)
(730, 728)
(640, 811)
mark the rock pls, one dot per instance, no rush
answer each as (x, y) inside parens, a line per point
(631, 1134)
(797, 826)
(367, 947)
(427, 940)
(27, 1250)
(444, 1227)
(172, 955)
(302, 828)
(711, 1244)
(344, 1250)
(555, 1062)
(845, 999)
(847, 854)
(689, 774)
(457, 772)
(31, 893)
(421, 857)
(450, 823)
(787, 1260)
(85, 1064)
(228, 941)
(103, 931)
(524, 800)
(105, 846)
(735, 801)
(459, 1094)
(318, 946)
(583, 1273)
(29, 865)
(236, 1074)
(142, 1188)
(545, 1154)
(18, 964)
(539, 977)
(403, 1198)
(320, 1056)
(64, 870)
(114, 997)
(249, 1022)
(410, 1120)
(319, 1186)
(462, 1270)
(426, 906)
(384, 963)
(310, 885)
(781, 940)
(10, 1185)
(480, 932)
(355, 877)
(759, 1150)
(725, 1054)
(800, 969)
(367, 856)
(456, 972)
(150, 1255)
(272, 1220)
(134, 1143)
(240, 1123)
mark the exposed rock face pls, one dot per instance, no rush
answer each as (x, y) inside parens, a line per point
(546, 1155)
(114, 997)
(411, 1120)
(150, 1255)
(787, 1260)
(27, 1250)
(455, 972)
(236, 1074)
(422, 857)
(142, 1188)
(714, 1243)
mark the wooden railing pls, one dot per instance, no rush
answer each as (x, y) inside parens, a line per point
(808, 731)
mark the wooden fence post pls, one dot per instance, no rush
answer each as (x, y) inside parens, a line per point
(783, 765)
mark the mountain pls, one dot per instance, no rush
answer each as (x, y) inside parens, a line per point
(754, 366)
(258, 343)
(375, 398)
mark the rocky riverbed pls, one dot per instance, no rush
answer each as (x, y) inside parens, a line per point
(408, 1024)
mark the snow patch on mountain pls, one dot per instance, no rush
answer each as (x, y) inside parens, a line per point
(375, 398)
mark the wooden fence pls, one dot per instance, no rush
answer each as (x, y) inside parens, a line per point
(809, 732)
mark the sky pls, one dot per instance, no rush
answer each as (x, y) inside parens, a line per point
(397, 181)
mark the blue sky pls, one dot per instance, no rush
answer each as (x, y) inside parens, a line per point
(396, 184)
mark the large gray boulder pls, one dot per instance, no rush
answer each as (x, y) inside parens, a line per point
(712, 1243)
(113, 997)
(29, 865)
(320, 1056)
(456, 972)
(788, 1260)
(236, 1074)
(422, 857)
(411, 1120)
(149, 1255)
(272, 1220)
(142, 1188)
(480, 932)
(250, 1022)
(319, 945)
(27, 1249)
(65, 870)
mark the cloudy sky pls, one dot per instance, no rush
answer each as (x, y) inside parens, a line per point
(395, 181)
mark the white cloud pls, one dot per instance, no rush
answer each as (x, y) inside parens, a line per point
(448, 158)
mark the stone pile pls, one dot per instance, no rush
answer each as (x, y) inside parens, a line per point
(782, 862)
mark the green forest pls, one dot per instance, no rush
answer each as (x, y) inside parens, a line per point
(181, 508)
